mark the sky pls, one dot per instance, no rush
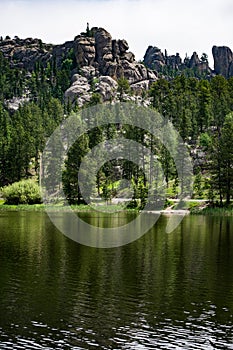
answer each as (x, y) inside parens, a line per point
(180, 26)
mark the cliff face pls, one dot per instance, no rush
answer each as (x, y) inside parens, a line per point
(223, 60)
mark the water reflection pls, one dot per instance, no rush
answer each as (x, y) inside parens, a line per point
(164, 291)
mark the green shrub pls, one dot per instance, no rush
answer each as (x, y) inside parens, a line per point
(133, 204)
(22, 192)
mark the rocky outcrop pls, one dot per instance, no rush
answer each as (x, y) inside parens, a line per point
(98, 61)
(223, 60)
(194, 60)
(154, 58)
(109, 57)
(24, 53)
(102, 58)
(201, 65)
(84, 50)
(79, 90)
(82, 89)
(60, 52)
(163, 64)
(106, 87)
(174, 61)
(95, 56)
(141, 87)
(160, 62)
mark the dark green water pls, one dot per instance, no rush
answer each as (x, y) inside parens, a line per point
(164, 291)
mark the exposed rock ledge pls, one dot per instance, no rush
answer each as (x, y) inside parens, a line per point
(102, 61)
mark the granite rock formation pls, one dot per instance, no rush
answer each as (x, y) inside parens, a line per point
(223, 60)
(109, 57)
(161, 63)
(96, 56)
(99, 61)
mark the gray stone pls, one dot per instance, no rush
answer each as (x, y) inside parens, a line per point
(103, 44)
(194, 61)
(84, 50)
(89, 72)
(107, 87)
(123, 46)
(223, 59)
(16, 102)
(79, 90)
(129, 56)
(96, 56)
(140, 87)
(154, 58)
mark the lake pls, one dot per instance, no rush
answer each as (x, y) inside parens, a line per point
(163, 291)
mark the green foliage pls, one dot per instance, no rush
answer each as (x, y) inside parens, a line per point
(71, 172)
(96, 98)
(198, 186)
(200, 110)
(22, 192)
(123, 87)
(221, 161)
(12, 80)
(205, 140)
(204, 57)
(133, 204)
(106, 193)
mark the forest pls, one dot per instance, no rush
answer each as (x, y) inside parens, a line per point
(201, 111)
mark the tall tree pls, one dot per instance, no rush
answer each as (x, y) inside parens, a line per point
(226, 152)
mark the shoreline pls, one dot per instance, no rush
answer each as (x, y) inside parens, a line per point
(108, 209)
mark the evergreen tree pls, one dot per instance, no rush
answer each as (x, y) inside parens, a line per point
(226, 152)
(72, 165)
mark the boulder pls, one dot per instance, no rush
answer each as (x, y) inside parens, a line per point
(79, 90)
(107, 87)
(133, 72)
(152, 77)
(16, 102)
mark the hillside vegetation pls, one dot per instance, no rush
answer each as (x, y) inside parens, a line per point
(37, 96)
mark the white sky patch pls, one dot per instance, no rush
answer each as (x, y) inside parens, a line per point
(179, 26)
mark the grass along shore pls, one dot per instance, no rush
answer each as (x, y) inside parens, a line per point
(193, 207)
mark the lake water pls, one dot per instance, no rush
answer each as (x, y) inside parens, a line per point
(163, 291)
